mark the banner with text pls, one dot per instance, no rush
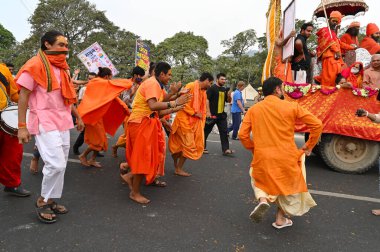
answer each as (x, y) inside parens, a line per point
(94, 56)
(142, 55)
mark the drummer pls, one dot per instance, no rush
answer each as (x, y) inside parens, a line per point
(10, 150)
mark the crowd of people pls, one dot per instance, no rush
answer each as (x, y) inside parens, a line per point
(334, 54)
(44, 89)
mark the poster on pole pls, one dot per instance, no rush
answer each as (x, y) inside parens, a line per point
(289, 24)
(94, 57)
(142, 55)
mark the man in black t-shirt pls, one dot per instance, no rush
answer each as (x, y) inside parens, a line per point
(216, 98)
(302, 57)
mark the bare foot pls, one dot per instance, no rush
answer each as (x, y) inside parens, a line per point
(182, 173)
(128, 178)
(138, 198)
(34, 165)
(376, 212)
(83, 160)
(94, 163)
(114, 151)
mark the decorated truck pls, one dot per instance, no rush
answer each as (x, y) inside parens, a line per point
(349, 144)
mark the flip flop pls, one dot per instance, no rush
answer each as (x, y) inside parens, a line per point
(158, 183)
(228, 152)
(45, 209)
(288, 223)
(258, 213)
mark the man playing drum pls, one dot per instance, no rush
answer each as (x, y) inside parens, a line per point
(10, 149)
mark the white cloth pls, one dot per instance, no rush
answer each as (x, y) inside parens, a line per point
(299, 77)
(81, 93)
(54, 150)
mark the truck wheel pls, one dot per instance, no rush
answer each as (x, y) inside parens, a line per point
(348, 154)
(316, 149)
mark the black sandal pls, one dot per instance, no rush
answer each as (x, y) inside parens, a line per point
(58, 209)
(158, 183)
(45, 209)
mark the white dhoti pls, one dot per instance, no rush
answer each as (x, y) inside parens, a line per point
(293, 205)
(54, 148)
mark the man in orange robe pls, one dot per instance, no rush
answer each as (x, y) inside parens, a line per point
(372, 40)
(329, 51)
(282, 69)
(276, 170)
(187, 136)
(127, 97)
(145, 137)
(101, 113)
(351, 37)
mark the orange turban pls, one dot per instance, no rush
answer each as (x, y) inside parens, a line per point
(371, 29)
(354, 24)
(336, 15)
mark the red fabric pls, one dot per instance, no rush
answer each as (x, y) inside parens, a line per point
(337, 113)
(10, 160)
(348, 40)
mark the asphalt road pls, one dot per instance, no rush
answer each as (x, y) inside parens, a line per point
(206, 212)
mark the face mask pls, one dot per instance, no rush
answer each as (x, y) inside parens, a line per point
(354, 70)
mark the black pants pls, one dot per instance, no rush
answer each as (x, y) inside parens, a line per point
(80, 140)
(221, 123)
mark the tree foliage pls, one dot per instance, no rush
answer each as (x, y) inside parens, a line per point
(187, 53)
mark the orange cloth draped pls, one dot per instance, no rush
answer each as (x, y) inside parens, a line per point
(370, 45)
(327, 48)
(121, 141)
(276, 159)
(102, 111)
(355, 79)
(187, 134)
(145, 140)
(11, 89)
(348, 40)
(279, 68)
(36, 69)
(337, 112)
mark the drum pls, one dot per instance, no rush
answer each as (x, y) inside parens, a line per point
(9, 119)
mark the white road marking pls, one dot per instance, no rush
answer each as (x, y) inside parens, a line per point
(323, 193)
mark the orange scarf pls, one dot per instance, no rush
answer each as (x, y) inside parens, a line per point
(199, 107)
(40, 68)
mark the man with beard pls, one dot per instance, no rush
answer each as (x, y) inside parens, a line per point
(329, 51)
(302, 57)
(351, 36)
(277, 169)
(47, 88)
(371, 41)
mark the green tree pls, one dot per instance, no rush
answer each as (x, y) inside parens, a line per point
(240, 43)
(7, 40)
(187, 53)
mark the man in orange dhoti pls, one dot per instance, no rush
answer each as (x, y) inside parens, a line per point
(277, 170)
(101, 113)
(372, 40)
(329, 51)
(351, 36)
(127, 97)
(145, 137)
(187, 136)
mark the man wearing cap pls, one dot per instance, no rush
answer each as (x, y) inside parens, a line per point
(371, 41)
(351, 36)
(329, 51)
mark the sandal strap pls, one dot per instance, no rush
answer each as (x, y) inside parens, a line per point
(45, 209)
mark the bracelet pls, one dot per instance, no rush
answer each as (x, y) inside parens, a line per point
(367, 114)
(21, 125)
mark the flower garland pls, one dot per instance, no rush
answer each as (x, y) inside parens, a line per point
(329, 91)
(296, 91)
(365, 92)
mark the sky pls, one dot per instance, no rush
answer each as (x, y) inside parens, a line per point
(215, 20)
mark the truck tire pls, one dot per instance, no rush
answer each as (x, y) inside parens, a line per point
(348, 154)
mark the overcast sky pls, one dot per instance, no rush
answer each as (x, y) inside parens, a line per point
(156, 20)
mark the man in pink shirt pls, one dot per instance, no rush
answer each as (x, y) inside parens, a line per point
(47, 88)
(372, 74)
